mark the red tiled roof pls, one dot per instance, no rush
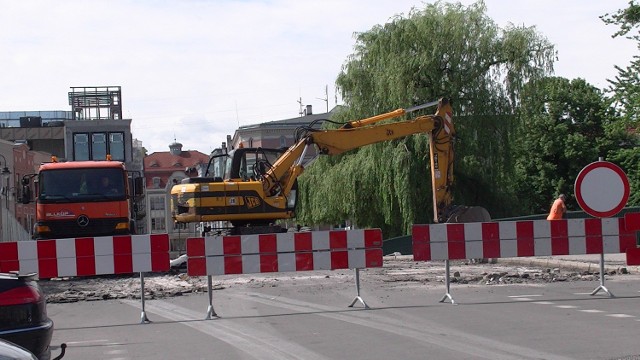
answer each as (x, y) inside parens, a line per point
(165, 160)
(163, 164)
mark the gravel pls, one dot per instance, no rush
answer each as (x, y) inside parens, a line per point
(398, 272)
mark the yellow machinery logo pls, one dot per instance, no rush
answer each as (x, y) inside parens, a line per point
(252, 201)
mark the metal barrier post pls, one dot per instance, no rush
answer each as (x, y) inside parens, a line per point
(602, 287)
(358, 297)
(447, 280)
(143, 316)
(210, 312)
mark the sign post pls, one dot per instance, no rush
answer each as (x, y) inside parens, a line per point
(602, 190)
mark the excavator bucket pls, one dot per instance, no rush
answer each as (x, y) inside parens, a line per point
(467, 214)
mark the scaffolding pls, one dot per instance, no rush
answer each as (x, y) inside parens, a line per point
(96, 102)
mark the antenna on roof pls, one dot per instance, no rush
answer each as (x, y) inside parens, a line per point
(300, 112)
(237, 116)
(326, 96)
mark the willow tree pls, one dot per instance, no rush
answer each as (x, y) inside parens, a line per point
(441, 50)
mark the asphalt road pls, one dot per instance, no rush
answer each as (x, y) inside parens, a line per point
(294, 319)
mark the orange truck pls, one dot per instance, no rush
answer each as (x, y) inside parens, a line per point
(81, 199)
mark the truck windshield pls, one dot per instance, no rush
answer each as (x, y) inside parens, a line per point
(73, 185)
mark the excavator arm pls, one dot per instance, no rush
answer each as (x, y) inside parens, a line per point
(279, 179)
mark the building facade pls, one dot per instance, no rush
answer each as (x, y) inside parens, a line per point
(93, 129)
(276, 134)
(162, 170)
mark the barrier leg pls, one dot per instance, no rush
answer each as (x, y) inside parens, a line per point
(358, 297)
(602, 287)
(143, 316)
(447, 280)
(210, 312)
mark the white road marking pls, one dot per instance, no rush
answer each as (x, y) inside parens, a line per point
(115, 352)
(458, 341)
(621, 316)
(246, 338)
(86, 342)
(591, 311)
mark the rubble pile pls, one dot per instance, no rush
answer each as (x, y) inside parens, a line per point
(397, 272)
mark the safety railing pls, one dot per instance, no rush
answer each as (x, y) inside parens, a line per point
(89, 256)
(285, 252)
(528, 238)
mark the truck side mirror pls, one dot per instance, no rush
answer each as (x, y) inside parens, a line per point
(26, 193)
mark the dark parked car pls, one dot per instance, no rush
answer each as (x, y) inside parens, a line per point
(23, 314)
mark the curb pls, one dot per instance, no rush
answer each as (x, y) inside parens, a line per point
(568, 264)
(590, 263)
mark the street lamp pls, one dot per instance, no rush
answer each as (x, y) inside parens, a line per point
(10, 192)
(5, 172)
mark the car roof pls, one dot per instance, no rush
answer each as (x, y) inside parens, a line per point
(12, 351)
(15, 276)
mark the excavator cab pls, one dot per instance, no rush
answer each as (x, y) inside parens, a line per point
(231, 192)
(242, 164)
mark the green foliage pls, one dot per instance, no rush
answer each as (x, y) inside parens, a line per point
(442, 50)
(625, 92)
(627, 19)
(565, 126)
(629, 160)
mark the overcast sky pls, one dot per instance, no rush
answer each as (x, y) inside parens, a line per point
(195, 70)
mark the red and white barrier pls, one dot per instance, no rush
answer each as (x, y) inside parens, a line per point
(632, 222)
(450, 241)
(87, 256)
(524, 238)
(303, 251)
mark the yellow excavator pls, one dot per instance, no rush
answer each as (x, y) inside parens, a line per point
(253, 188)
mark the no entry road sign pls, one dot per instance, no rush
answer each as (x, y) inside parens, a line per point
(602, 189)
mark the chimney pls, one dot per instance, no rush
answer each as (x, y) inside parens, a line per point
(308, 111)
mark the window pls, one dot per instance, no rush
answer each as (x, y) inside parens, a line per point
(283, 141)
(81, 146)
(99, 146)
(179, 226)
(157, 203)
(96, 146)
(156, 182)
(73, 185)
(157, 224)
(116, 146)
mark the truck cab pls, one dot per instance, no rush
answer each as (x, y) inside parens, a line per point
(80, 198)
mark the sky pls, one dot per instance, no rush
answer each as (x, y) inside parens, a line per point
(196, 70)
